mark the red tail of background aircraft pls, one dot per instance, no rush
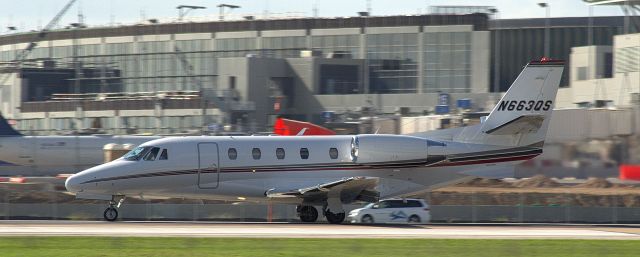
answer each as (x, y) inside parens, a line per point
(287, 127)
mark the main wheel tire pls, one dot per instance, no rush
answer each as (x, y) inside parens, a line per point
(414, 219)
(110, 214)
(308, 214)
(367, 219)
(335, 218)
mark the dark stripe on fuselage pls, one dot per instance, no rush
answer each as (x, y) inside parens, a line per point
(493, 154)
(432, 161)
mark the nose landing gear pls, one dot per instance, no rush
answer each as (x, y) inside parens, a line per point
(111, 213)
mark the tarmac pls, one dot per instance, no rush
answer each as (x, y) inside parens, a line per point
(300, 230)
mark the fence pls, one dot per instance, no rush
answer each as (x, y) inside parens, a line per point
(47, 200)
(261, 212)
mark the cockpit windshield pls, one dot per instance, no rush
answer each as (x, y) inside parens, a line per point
(136, 154)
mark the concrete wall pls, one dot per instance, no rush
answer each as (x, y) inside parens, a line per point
(591, 57)
(254, 212)
(480, 61)
(390, 102)
(619, 89)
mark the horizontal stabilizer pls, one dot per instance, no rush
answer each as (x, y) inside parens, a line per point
(528, 123)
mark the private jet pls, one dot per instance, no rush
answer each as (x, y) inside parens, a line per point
(330, 171)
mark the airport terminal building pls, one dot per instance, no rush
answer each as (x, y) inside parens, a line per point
(170, 77)
(200, 76)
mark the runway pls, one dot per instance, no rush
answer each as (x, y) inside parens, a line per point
(288, 230)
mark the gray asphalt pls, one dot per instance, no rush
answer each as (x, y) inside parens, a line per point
(288, 230)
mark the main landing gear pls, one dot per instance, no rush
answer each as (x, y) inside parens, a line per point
(307, 213)
(333, 210)
(334, 218)
(111, 213)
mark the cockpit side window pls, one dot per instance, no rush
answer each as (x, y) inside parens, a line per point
(136, 154)
(151, 155)
(164, 155)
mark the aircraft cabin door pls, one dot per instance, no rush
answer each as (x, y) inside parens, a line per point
(208, 169)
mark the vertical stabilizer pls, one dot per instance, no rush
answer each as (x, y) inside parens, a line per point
(522, 116)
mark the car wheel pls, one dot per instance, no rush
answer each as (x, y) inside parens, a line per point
(414, 219)
(367, 219)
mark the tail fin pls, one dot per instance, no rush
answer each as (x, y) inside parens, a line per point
(6, 130)
(522, 115)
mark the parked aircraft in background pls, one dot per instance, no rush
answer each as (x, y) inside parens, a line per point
(330, 171)
(51, 155)
(288, 127)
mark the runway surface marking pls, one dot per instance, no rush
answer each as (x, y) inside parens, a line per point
(209, 229)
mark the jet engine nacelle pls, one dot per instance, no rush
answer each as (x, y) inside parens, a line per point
(387, 148)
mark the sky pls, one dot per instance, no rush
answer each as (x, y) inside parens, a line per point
(33, 14)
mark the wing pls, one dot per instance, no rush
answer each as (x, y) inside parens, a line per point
(348, 189)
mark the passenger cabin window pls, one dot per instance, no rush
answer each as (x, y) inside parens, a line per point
(136, 154)
(233, 154)
(333, 153)
(280, 153)
(151, 155)
(256, 153)
(304, 153)
(164, 155)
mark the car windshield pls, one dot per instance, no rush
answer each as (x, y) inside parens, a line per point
(137, 153)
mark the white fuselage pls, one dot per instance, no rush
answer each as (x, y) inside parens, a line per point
(51, 155)
(229, 168)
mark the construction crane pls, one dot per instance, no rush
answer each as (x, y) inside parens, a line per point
(22, 55)
(188, 69)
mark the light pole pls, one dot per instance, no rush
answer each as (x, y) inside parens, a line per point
(222, 6)
(184, 9)
(496, 54)
(546, 28)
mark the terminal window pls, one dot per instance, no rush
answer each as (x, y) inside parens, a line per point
(339, 79)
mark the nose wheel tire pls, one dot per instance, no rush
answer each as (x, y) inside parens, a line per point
(335, 218)
(110, 214)
(308, 213)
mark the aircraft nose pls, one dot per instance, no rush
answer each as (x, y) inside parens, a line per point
(73, 183)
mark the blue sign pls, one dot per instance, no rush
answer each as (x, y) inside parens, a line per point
(464, 103)
(443, 99)
(442, 109)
